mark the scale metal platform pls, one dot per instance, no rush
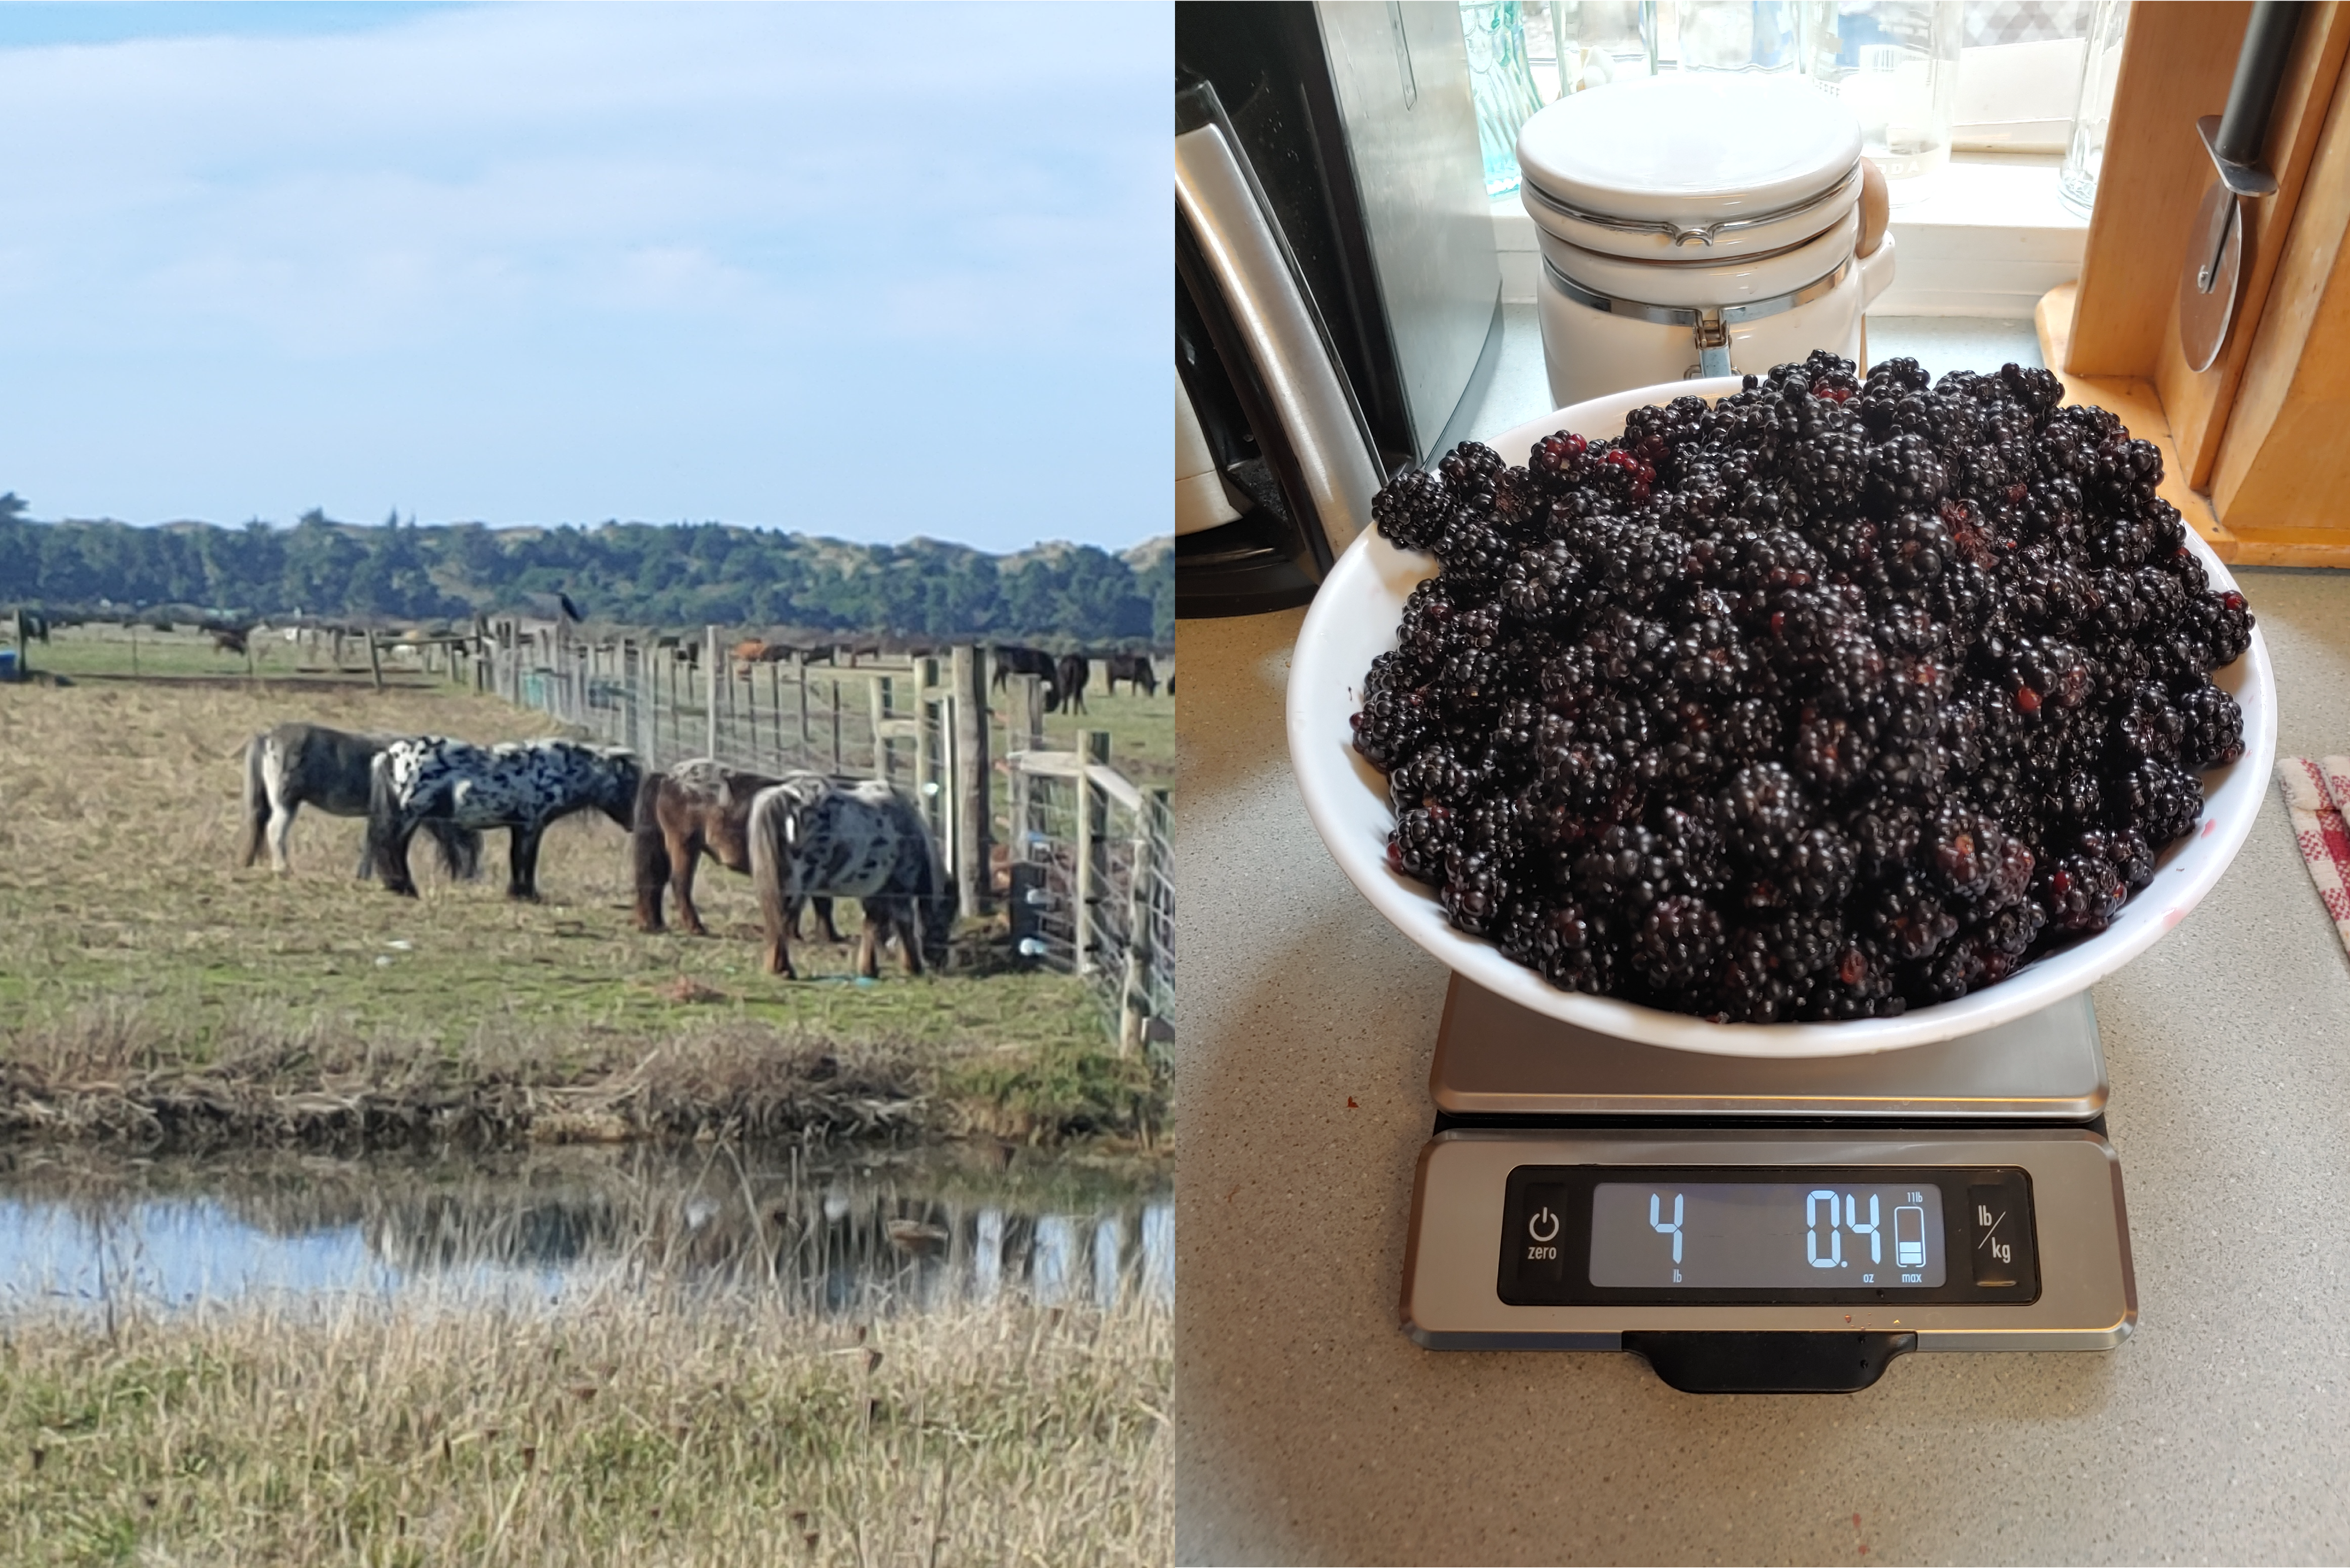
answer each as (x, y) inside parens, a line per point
(1761, 1226)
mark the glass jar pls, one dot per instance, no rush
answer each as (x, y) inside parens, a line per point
(2076, 181)
(1749, 36)
(1503, 84)
(1895, 63)
(1599, 42)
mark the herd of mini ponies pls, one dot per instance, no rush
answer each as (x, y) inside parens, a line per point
(802, 838)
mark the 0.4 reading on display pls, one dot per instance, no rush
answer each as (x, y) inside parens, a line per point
(1765, 1235)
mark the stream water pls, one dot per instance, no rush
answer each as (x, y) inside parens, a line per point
(860, 1235)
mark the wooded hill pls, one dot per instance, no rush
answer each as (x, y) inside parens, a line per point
(643, 573)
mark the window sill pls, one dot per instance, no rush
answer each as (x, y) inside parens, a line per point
(1990, 241)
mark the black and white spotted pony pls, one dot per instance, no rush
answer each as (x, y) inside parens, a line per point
(521, 786)
(813, 837)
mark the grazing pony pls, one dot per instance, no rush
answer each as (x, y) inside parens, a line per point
(296, 764)
(811, 835)
(522, 787)
(697, 807)
(1069, 678)
(1134, 669)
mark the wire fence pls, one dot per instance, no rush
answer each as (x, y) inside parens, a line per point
(1092, 883)
(1084, 857)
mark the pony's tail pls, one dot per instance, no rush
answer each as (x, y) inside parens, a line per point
(257, 798)
(648, 852)
(459, 847)
(381, 809)
(770, 810)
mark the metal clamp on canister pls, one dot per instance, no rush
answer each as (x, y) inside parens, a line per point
(1713, 346)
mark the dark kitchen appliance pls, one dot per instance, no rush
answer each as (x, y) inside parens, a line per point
(1338, 300)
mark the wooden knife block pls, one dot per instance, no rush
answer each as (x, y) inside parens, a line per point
(2256, 449)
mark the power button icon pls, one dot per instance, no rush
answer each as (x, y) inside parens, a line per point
(1539, 1260)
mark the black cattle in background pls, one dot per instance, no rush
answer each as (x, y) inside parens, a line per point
(1069, 678)
(1016, 660)
(1131, 667)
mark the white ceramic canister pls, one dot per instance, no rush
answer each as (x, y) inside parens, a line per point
(1695, 224)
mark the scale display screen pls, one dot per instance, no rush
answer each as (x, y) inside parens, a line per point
(1766, 1236)
(1757, 1234)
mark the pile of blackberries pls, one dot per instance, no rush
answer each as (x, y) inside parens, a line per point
(1829, 700)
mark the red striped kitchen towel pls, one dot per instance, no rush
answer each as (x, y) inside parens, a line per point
(2316, 790)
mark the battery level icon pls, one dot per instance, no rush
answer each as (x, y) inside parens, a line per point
(1909, 1237)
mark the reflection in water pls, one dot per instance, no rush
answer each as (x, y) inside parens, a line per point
(856, 1240)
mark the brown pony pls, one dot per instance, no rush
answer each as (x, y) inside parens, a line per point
(697, 807)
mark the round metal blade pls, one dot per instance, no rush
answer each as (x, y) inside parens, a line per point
(2207, 284)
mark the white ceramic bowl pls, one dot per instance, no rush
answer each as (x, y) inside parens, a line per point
(1353, 618)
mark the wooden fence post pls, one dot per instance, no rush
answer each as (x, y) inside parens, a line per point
(375, 660)
(1092, 746)
(968, 680)
(1031, 712)
(710, 689)
(781, 738)
(926, 680)
(1134, 995)
(808, 739)
(631, 667)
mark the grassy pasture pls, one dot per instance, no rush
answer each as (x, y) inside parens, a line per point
(639, 1426)
(149, 987)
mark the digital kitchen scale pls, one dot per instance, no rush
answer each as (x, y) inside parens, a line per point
(1766, 1225)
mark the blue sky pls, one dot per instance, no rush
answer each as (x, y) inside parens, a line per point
(871, 271)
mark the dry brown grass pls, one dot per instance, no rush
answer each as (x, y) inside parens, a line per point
(637, 1428)
(151, 988)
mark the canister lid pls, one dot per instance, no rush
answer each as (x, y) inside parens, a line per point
(1690, 147)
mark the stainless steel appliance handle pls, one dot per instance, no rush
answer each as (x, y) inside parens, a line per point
(1313, 404)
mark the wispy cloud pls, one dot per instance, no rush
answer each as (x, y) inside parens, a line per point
(871, 270)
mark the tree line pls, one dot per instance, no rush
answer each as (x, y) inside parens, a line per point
(640, 573)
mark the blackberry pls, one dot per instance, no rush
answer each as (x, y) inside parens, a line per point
(2125, 849)
(1557, 461)
(1908, 922)
(1831, 752)
(1679, 944)
(1471, 465)
(1572, 951)
(2151, 727)
(1762, 808)
(2081, 893)
(1391, 727)
(1625, 870)
(1816, 870)
(1885, 837)
(2157, 799)
(1410, 508)
(1519, 504)
(2227, 625)
(2212, 729)
(1475, 891)
(1422, 839)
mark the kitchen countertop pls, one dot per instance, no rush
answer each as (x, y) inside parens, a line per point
(1309, 1430)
